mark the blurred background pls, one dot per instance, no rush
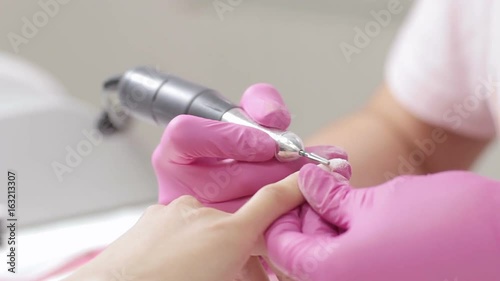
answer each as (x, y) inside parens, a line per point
(226, 45)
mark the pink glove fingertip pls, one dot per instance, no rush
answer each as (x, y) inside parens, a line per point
(327, 192)
(265, 106)
(328, 151)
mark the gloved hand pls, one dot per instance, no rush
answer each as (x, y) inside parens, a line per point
(440, 227)
(161, 245)
(222, 164)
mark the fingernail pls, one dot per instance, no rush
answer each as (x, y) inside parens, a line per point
(340, 166)
(273, 106)
(329, 151)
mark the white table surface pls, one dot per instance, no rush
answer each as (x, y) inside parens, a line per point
(41, 249)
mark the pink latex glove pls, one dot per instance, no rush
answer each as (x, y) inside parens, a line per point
(441, 227)
(222, 164)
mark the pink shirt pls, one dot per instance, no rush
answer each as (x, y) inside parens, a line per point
(444, 66)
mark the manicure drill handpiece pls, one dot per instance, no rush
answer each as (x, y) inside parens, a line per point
(153, 95)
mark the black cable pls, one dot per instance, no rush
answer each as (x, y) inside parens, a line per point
(104, 124)
(112, 83)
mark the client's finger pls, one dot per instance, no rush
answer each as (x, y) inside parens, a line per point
(274, 200)
(269, 203)
(253, 271)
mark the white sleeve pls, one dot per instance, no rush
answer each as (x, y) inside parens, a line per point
(434, 67)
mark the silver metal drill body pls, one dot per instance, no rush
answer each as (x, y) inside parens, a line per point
(159, 97)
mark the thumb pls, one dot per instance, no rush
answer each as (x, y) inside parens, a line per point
(265, 106)
(269, 203)
(329, 193)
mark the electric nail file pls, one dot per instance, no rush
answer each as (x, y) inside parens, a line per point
(148, 93)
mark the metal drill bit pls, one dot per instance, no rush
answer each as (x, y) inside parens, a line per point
(314, 157)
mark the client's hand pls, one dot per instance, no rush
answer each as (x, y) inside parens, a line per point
(222, 164)
(185, 241)
(439, 227)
